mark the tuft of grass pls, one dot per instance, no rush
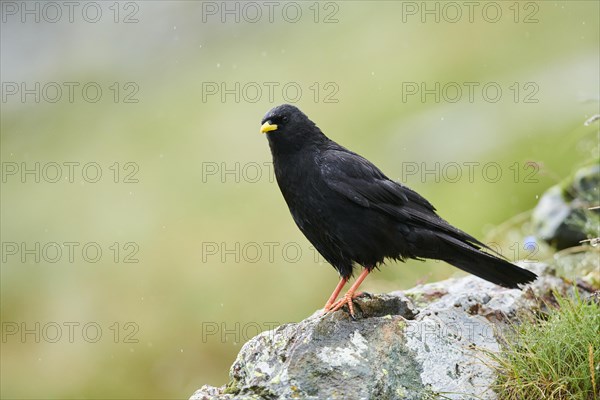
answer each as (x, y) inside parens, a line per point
(554, 356)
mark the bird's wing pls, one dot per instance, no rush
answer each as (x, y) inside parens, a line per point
(359, 180)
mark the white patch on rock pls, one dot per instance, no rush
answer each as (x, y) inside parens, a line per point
(447, 342)
(264, 368)
(351, 355)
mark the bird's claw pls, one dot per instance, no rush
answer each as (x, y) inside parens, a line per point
(346, 299)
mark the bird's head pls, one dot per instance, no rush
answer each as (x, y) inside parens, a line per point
(287, 128)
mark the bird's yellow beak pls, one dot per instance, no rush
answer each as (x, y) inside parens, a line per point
(268, 127)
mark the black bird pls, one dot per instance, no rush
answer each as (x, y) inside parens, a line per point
(353, 214)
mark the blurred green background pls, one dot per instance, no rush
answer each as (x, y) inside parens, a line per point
(192, 197)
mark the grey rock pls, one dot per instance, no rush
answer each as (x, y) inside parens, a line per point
(561, 216)
(425, 343)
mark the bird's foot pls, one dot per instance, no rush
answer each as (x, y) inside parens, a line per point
(346, 299)
(333, 302)
(328, 306)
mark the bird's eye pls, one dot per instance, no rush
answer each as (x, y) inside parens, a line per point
(284, 119)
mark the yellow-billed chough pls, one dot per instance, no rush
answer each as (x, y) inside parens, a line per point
(353, 214)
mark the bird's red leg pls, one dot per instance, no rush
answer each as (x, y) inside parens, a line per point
(347, 299)
(335, 294)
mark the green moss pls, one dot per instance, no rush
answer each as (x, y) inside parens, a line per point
(231, 388)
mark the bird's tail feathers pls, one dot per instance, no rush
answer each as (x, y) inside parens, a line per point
(485, 265)
(470, 258)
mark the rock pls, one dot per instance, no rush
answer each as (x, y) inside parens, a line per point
(561, 217)
(423, 343)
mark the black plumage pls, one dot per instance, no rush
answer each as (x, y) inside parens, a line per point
(353, 214)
